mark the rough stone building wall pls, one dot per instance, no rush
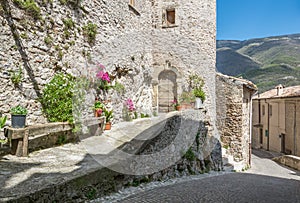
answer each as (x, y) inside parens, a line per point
(119, 41)
(133, 38)
(233, 117)
(187, 46)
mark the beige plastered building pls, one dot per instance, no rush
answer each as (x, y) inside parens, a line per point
(276, 120)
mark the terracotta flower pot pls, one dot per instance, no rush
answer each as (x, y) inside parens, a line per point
(107, 126)
(178, 108)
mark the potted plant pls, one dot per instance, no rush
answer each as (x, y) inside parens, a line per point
(18, 116)
(104, 79)
(129, 112)
(98, 107)
(3, 140)
(176, 105)
(187, 100)
(200, 97)
(2, 121)
(108, 118)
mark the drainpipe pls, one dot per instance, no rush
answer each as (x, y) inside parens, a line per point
(295, 145)
(268, 143)
(157, 99)
(268, 126)
(259, 112)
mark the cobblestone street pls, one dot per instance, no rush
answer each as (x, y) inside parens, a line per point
(235, 187)
(266, 181)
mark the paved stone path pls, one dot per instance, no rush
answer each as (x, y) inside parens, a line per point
(263, 165)
(266, 181)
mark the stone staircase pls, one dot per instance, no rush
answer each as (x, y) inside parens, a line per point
(229, 164)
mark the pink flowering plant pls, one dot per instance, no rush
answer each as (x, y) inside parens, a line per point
(99, 107)
(130, 105)
(175, 103)
(104, 78)
(129, 110)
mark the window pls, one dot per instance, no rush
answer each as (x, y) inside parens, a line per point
(261, 136)
(263, 110)
(266, 133)
(171, 17)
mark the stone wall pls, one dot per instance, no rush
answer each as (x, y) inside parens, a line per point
(120, 42)
(188, 46)
(87, 176)
(233, 118)
(132, 39)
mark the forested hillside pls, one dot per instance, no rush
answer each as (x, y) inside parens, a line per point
(265, 61)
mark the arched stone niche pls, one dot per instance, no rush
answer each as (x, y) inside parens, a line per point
(167, 86)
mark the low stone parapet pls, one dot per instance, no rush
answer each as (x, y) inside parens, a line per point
(96, 166)
(289, 160)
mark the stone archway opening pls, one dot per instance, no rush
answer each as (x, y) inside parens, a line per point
(167, 90)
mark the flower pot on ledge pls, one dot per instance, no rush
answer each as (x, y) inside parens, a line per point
(198, 103)
(178, 108)
(107, 126)
(18, 121)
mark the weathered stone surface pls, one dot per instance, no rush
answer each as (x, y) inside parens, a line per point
(233, 118)
(139, 41)
(72, 172)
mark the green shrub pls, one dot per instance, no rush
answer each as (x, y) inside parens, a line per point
(57, 97)
(24, 35)
(30, 7)
(68, 23)
(16, 77)
(18, 110)
(3, 121)
(189, 155)
(90, 32)
(48, 40)
(61, 139)
(200, 94)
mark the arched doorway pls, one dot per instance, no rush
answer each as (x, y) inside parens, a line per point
(167, 90)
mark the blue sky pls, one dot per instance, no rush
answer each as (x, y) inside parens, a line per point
(247, 19)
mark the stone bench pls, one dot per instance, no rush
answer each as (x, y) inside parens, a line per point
(48, 135)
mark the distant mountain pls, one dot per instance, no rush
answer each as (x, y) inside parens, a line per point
(264, 61)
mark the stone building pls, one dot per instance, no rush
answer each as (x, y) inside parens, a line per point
(154, 45)
(234, 97)
(275, 120)
(158, 43)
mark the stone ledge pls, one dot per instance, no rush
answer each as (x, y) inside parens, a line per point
(70, 173)
(289, 160)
